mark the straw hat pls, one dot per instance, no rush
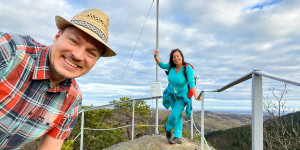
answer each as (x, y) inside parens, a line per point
(93, 22)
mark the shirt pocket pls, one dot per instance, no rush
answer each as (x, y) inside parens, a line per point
(38, 125)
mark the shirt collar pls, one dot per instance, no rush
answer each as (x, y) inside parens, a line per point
(41, 70)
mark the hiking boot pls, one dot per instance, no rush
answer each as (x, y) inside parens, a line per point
(168, 134)
(175, 140)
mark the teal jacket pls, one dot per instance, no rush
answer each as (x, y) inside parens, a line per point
(178, 86)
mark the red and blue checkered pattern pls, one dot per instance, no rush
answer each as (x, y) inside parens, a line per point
(29, 107)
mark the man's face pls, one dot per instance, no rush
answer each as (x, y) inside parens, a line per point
(73, 54)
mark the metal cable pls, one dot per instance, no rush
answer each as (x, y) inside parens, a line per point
(201, 136)
(133, 51)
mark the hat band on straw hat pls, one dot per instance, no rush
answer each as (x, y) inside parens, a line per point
(90, 27)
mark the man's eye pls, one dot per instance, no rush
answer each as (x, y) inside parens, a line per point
(72, 40)
(92, 53)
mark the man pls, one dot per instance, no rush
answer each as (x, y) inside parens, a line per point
(38, 92)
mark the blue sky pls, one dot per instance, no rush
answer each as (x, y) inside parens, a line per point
(223, 39)
(266, 4)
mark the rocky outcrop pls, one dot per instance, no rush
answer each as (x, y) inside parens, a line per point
(156, 142)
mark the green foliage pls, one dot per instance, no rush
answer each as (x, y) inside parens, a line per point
(124, 115)
(197, 137)
(67, 145)
(103, 139)
(107, 119)
(161, 129)
(285, 136)
(97, 119)
(186, 134)
(281, 131)
(231, 139)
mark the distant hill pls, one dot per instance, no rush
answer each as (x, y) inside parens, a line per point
(213, 121)
(240, 137)
(231, 139)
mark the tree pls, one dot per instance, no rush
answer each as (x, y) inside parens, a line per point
(124, 114)
(281, 131)
(231, 139)
(97, 139)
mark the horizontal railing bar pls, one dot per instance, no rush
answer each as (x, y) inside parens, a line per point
(201, 93)
(139, 99)
(242, 79)
(136, 125)
(121, 127)
(248, 76)
(276, 78)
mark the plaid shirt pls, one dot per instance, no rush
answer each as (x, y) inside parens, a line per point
(29, 107)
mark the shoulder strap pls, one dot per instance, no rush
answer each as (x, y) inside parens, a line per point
(167, 71)
(184, 70)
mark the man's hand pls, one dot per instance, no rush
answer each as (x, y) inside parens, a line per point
(50, 143)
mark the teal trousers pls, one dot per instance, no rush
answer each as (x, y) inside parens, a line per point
(175, 118)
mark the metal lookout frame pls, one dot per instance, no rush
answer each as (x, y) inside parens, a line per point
(257, 108)
(257, 104)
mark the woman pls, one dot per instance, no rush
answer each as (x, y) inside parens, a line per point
(176, 94)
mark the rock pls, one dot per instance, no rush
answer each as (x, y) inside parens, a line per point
(156, 142)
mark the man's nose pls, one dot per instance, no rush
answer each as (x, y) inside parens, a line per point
(78, 54)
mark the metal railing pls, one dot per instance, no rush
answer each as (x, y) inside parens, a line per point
(133, 124)
(257, 103)
(257, 109)
(113, 104)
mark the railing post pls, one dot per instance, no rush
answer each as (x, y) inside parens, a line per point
(82, 126)
(132, 127)
(192, 123)
(257, 112)
(202, 121)
(156, 118)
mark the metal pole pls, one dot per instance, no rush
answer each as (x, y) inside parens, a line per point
(156, 118)
(82, 126)
(257, 112)
(202, 121)
(157, 14)
(192, 123)
(157, 34)
(132, 127)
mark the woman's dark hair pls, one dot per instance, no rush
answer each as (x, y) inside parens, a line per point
(171, 63)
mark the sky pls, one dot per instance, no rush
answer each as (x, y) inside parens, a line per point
(223, 39)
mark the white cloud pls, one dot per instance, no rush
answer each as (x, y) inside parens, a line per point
(223, 39)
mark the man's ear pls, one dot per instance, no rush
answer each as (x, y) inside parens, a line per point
(58, 34)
